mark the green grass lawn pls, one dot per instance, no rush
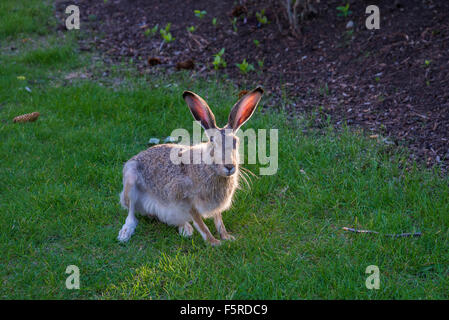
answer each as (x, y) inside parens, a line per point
(60, 178)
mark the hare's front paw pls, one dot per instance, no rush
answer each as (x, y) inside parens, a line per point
(186, 230)
(214, 242)
(125, 233)
(228, 236)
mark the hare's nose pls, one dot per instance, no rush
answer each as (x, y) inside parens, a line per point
(230, 168)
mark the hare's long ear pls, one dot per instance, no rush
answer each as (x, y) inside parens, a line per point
(200, 110)
(244, 109)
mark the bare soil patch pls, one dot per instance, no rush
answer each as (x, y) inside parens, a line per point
(393, 82)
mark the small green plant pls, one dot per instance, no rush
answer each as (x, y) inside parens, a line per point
(200, 13)
(261, 17)
(168, 37)
(219, 62)
(214, 21)
(260, 63)
(234, 24)
(191, 29)
(256, 42)
(344, 11)
(347, 37)
(245, 67)
(324, 91)
(427, 63)
(151, 32)
(165, 33)
(167, 28)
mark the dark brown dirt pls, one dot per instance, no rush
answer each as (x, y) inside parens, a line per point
(393, 82)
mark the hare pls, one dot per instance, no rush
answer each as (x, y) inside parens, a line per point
(180, 193)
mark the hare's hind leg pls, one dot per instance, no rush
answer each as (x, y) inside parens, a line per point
(186, 230)
(129, 197)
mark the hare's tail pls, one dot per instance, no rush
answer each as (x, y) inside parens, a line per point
(130, 177)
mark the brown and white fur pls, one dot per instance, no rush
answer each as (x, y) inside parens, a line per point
(178, 194)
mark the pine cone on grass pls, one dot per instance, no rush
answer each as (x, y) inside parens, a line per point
(29, 117)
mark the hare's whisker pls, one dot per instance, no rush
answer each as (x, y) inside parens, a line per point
(249, 171)
(245, 179)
